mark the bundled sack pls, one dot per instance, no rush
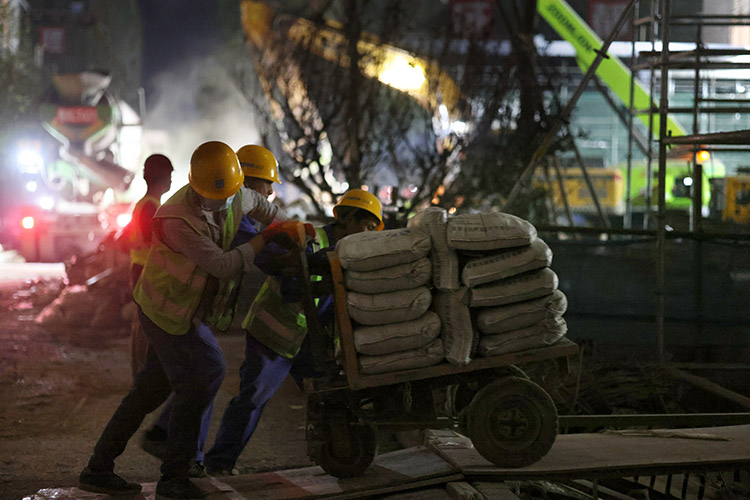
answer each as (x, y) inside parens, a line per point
(506, 263)
(391, 307)
(501, 319)
(489, 231)
(434, 221)
(539, 335)
(400, 277)
(456, 331)
(371, 250)
(429, 355)
(527, 286)
(397, 337)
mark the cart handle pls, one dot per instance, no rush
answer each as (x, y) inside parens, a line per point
(351, 368)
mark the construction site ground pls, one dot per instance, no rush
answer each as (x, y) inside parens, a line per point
(58, 388)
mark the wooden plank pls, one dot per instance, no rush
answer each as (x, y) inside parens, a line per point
(655, 420)
(399, 470)
(351, 367)
(495, 491)
(709, 386)
(613, 455)
(428, 494)
(461, 490)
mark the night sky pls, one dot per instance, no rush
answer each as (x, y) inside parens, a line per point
(173, 31)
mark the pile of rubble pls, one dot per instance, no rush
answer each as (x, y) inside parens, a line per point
(96, 293)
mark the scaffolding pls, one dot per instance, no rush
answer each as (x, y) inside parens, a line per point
(660, 143)
(659, 24)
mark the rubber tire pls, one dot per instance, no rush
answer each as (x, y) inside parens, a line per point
(363, 447)
(528, 409)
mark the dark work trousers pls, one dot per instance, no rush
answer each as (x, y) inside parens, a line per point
(191, 365)
(261, 375)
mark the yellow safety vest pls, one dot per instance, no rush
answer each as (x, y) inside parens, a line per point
(279, 325)
(171, 285)
(138, 246)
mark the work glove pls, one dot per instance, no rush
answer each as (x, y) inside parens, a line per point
(288, 234)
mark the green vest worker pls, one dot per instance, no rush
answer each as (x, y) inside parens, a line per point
(275, 339)
(157, 172)
(189, 263)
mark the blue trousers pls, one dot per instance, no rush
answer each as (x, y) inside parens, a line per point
(192, 366)
(261, 375)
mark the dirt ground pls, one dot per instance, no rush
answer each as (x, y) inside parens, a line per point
(58, 390)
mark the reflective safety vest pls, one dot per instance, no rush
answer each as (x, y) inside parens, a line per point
(137, 241)
(171, 286)
(279, 325)
(222, 309)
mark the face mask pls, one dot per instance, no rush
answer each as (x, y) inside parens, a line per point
(210, 205)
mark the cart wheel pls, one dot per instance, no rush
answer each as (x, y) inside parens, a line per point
(347, 451)
(512, 422)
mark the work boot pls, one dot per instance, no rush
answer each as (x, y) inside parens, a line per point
(106, 482)
(197, 470)
(234, 471)
(154, 442)
(178, 488)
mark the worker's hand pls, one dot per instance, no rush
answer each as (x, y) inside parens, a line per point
(288, 234)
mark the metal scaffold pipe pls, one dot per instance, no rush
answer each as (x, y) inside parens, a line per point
(662, 173)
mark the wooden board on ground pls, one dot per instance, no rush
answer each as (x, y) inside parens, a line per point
(612, 454)
(391, 472)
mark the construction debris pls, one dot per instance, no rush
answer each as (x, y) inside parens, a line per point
(96, 292)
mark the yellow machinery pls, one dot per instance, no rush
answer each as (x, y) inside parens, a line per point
(608, 184)
(730, 198)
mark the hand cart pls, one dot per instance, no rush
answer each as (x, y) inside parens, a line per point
(511, 421)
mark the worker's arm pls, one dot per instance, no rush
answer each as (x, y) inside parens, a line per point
(181, 238)
(259, 208)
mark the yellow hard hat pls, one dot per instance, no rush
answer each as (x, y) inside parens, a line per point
(215, 171)
(365, 200)
(257, 161)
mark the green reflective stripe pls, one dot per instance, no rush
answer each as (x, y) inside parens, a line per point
(159, 300)
(322, 241)
(139, 255)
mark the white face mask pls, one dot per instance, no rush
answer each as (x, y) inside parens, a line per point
(210, 205)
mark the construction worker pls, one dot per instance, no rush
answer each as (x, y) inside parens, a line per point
(186, 270)
(157, 172)
(276, 339)
(261, 171)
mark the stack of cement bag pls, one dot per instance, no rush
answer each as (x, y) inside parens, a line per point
(386, 275)
(493, 288)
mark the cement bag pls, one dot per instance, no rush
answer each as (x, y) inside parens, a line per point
(456, 332)
(489, 231)
(372, 250)
(503, 319)
(525, 286)
(506, 263)
(400, 277)
(429, 355)
(391, 307)
(530, 337)
(434, 221)
(396, 337)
